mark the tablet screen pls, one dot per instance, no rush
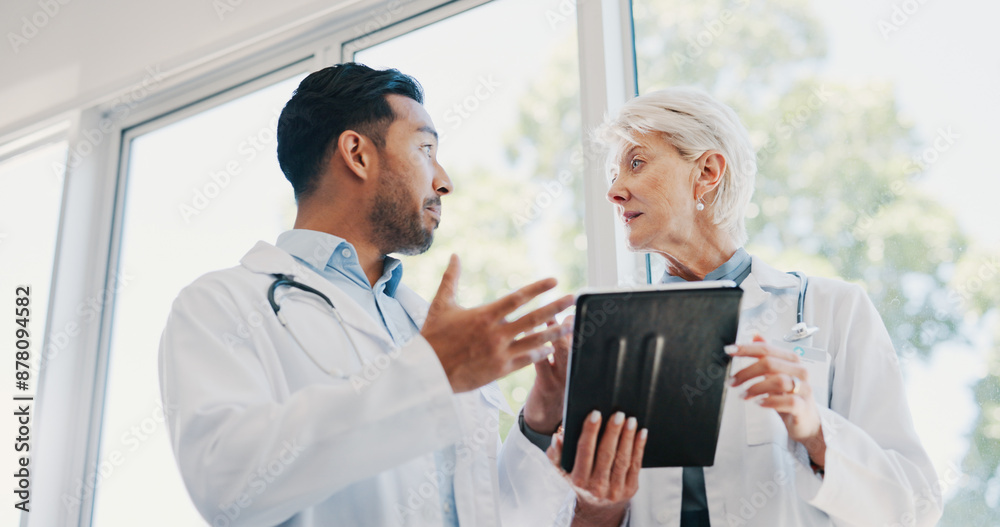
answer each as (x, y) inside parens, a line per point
(656, 355)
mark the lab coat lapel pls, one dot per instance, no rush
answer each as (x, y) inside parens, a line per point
(761, 279)
(475, 477)
(753, 294)
(413, 304)
(266, 258)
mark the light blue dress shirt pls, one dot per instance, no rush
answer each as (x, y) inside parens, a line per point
(694, 502)
(337, 261)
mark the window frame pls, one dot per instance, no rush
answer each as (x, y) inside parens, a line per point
(24, 141)
(38, 136)
(72, 385)
(117, 231)
(608, 79)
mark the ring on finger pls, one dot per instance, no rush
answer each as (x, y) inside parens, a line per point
(795, 385)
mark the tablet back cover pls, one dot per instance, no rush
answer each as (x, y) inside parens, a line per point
(658, 356)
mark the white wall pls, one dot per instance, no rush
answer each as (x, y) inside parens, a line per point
(61, 55)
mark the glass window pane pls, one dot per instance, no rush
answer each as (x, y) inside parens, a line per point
(31, 188)
(869, 133)
(201, 192)
(506, 103)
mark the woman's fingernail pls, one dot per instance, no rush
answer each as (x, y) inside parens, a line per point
(553, 444)
(632, 423)
(619, 418)
(595, 416)
(731, 349)
(643, 433)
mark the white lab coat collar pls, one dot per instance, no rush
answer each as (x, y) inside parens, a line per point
(761, 279)
(268, 259)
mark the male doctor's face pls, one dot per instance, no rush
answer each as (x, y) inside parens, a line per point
(407, 203)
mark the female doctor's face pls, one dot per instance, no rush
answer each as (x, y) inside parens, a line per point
(653, 193)
(407, 203)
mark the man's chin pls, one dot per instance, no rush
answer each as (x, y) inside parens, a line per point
(416, 249)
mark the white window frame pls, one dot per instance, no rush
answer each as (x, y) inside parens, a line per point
(72, 384)
(43, 133)
(607, 80)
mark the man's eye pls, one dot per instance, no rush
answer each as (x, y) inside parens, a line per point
(427, 149)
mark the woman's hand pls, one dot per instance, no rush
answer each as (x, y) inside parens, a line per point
(605, 484)
(784, 386)
(544, 407)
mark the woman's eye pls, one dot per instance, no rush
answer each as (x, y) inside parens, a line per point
(635, 163)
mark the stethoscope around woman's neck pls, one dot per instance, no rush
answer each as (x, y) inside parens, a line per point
(801, 330)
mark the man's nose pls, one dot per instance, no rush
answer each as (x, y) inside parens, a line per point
(442, 183)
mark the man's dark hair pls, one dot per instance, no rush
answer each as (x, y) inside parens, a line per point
(328, 102)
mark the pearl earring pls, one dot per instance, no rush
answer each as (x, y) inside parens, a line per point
(700, 206)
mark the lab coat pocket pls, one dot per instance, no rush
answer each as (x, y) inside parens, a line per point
(817, 364)
(319, 338)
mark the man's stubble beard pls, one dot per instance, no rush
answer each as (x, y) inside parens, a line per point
(395, 227)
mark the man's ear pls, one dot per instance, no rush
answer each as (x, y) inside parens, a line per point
(357, 152)
(711, 167)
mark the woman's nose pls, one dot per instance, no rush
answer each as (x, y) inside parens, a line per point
(617, 193)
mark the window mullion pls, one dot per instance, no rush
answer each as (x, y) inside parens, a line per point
(607, 80)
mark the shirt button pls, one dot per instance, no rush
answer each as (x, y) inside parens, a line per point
(346, 253)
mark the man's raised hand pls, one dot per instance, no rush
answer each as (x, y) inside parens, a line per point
(479, 345)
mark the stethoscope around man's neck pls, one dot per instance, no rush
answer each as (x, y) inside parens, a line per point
(285, 280)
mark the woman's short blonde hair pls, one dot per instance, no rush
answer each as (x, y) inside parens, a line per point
(694, 122)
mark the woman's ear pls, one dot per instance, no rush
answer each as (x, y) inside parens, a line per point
(711, 166)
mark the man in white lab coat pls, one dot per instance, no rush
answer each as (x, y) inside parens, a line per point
(311, 386)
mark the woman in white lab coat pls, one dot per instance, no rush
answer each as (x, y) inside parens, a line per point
(821, 435)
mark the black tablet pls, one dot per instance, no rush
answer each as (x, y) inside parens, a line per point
(656, 354)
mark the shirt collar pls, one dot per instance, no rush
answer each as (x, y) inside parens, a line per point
(736, 269)
(322, 250)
